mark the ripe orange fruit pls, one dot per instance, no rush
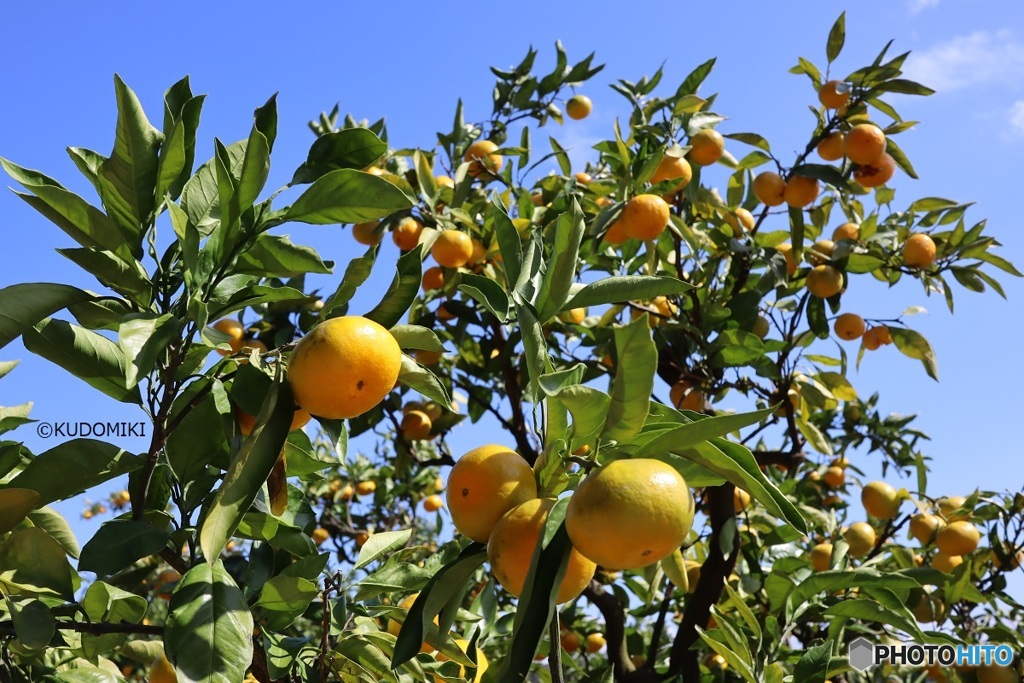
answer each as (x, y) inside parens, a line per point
(876, 337)
(583, 178)
(482, 158)
(875, 174)
(395, 627)
(444, 314)
(427, 357)
(433, 278)
(919, 251)
(484, 484)
(861, 537)
(849, 326)
(445, 181)
(740, 500)
(820, 252)
(570, 641)
(801, 191)
(406, 234)
(834, 94)
(770, 188)
(923, 527)
(706, 147)
(452, 248)
(835, 477)
(361, 538)
(693, 401)
(365, 488)
(948, 507)
(233, 329)
(595, 641)
(824, 281)
(433, 503)
(246, 421)
(993, 673)
(880, 500)
(946, 563)
(673, 168)
(574, 315)
(578, 107)
(678, 392)
(958, 538)
(481, 662)
(162, 671)
(366, 233)
(344, 367)
(630, 513)
(644, 217)
(416, 425)
(511, 545)
(786, 250)
(479, 253)
(846, 231)
(865, 144)
(832, 147)
(821, 557)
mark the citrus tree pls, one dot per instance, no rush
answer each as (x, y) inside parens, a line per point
(674, 477)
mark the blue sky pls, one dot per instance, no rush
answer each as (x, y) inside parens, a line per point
(413, 64)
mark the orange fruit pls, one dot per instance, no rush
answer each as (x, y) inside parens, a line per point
(801, 191)
(578, 107)
(824, 281)
(484, 484)
(570, 641)
(406, 234)
(821, 557)
(880, 500)
(574, 315)
(849, 326)
(367, 233)
(395, 627)
(923, 527)
(583, 178)
(344, 367)
(846, 231)
(761, 327)
(416, 425)
(865, 144)
(919, 251)
(427, 357)
(993, 673)
(361, 538)
(616, 233)
(481, 662)
(511, 546)
(433, 503)
(644, 217)
(235, 330)
(445, 181)
(452, 248)
(786, 250)
(958, 538)
(365, 488)
(948, 507)
(834, 94)
(875, 174)
(246, 421)
(861, 537)
(835, 477)
(482, 158)
(433, 278)
(673, 168)
(831, 148)
(444, 314)
(946, 563)
(876, 337)
(820, 252)
(479, 253)
(595, 641)
(770, 188)
(706, 147)
(161, 670)
(630, 513)
(678, 392)
(740, 500)
(693, 401)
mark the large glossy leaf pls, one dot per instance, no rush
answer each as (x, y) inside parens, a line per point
(74, 466)
(347, 196)
(621, 288)
(561, 268)
(33, 563)
(24, 305)
(380, 545)
(33, 622)
(15, 504)
(633, 382)
(421, 379)
(284, 598)
(535, 348)
(85, 354)
(143, 340)
(276, 256)
(249, 468)
(416, 337)
(200, 197)
(126, 277)
(178, 152)
(118, 543)
(199, 439)
(487, 293)
(353, 148)
(700, 430)
(914, 345)
(12, 417)
(53, 523)
(509, 244)
(208, 636)
(356, 273)
(403, 289)
(106, 603)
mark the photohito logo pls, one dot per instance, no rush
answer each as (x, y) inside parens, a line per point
(864, 654)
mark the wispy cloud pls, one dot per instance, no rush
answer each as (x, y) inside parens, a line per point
(921, 5)
(964, 61)
(1016, 118)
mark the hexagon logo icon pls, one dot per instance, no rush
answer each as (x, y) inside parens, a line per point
(862, 654)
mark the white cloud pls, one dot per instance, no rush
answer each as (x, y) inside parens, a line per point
(921, 5)
(977, 58)
(1016, 117)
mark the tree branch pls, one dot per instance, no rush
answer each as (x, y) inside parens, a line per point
(515, 398)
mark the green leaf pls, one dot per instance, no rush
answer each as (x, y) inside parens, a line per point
(249, 469)
(813, 665)
(200, 197)
(352, 148)
(416, 337)
(563, 159)
(866, 609)
(347, 196)
(6, 366)
(74, 466)
(684, 436)
(633, 383)
(419, 378)
(14, 416)
(562, 264)
(208, 636)
(695, 78)
(34, 623)
(285, 598)
(836, 38)
(33, 563)
(120, 542)
(403, 289)
(902, 86)
(276, 256)
(15, 504)
(620, 288)
(913, 345)
(509, 244)
(356, 272)
(823, 172)
(106, 603)
(588, 407)
(125, 277)
(380, 545)
(256, 164)
(900, 158)
(199, 439)
(144, 339)
(53, 523)
(535, 348)
(838, 385)
(751, 139)
(182, 112)
(24, 305)
(487, 293)
(85, 354)
(88, 162)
